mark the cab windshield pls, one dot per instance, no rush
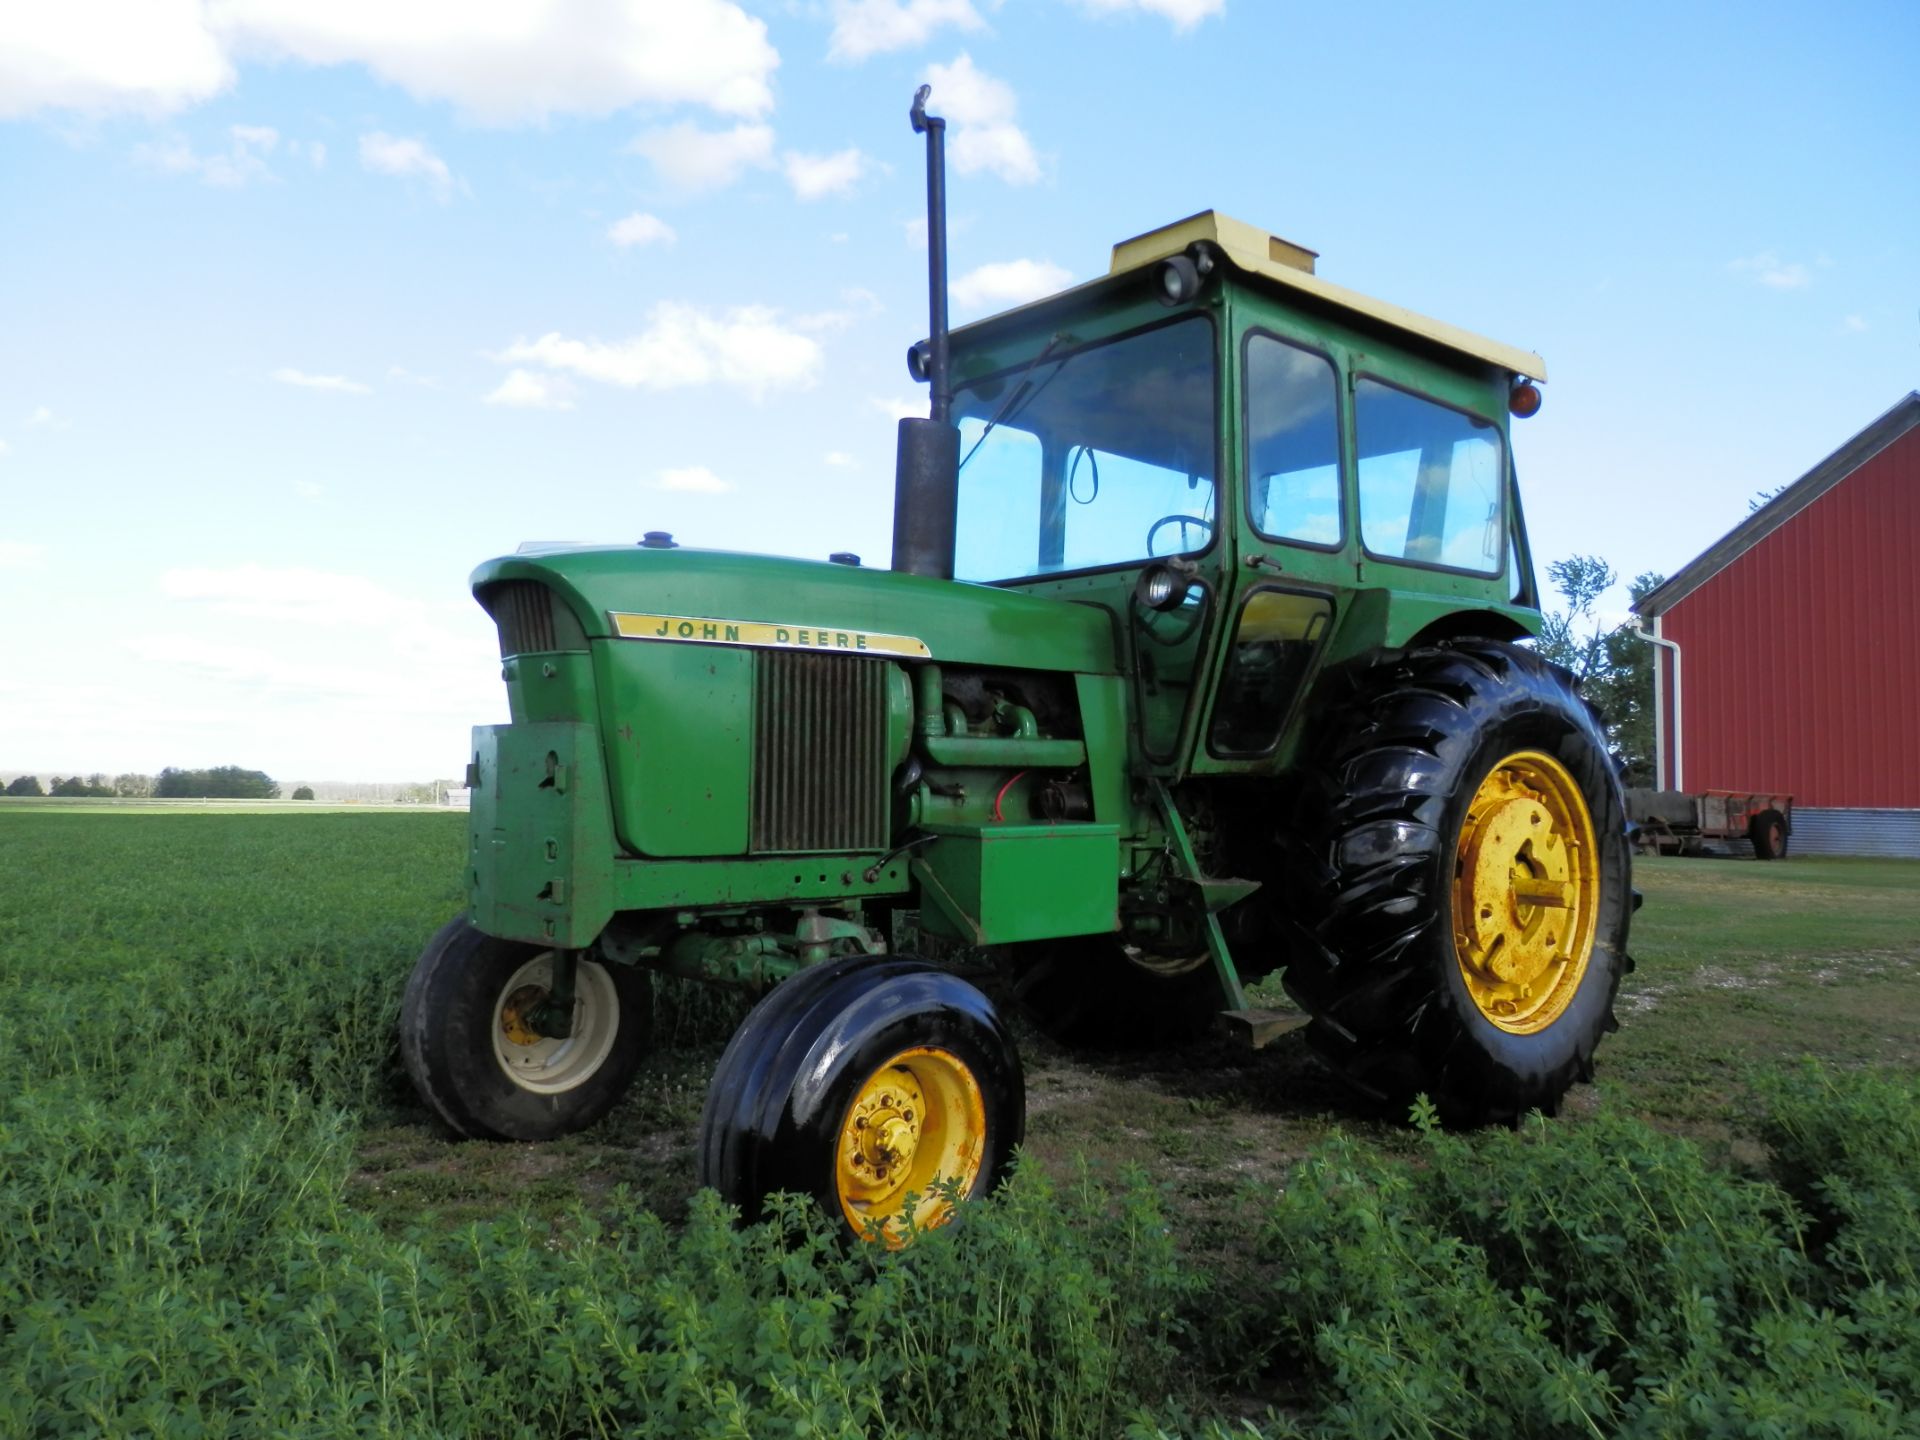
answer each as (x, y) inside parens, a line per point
(1089, 456)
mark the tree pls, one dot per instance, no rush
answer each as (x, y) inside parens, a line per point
(1614, 666)
(136, 787)
(304, 792)
(223, 782)
(25, 785)
(1573, 637)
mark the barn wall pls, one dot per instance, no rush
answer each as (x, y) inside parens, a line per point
(1802, 656)
(1856, 832)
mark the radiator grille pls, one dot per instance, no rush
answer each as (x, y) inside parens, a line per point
(820, 753)
(523, 611)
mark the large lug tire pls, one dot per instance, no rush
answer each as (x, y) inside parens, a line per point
(477, 1063)
(1090, 993)
(1464, 882)
(860, 1082)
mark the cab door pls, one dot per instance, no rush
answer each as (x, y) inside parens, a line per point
(1294, 539)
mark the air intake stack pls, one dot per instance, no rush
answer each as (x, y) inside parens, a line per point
(926, 474)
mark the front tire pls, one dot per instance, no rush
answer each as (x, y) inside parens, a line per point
(477, 1062)
(1465, 883)
(860, 1083)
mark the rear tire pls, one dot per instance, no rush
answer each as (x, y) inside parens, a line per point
(479, 1068)
(860, 1082)
(1470, 778)
(1768, 831)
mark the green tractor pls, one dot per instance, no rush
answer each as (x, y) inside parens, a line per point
(1201, 657)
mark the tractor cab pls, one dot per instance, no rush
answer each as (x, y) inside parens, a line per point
(1251, 470)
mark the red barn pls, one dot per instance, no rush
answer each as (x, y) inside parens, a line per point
(1790, 656)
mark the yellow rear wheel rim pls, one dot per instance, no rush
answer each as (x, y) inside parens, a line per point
(918, 1118)
(1526, 893)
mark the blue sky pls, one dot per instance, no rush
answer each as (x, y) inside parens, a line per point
(307, 308)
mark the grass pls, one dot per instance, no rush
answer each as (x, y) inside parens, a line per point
(221, 1212)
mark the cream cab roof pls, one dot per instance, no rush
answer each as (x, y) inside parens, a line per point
(1258, 253)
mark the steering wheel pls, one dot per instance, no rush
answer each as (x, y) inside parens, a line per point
(1182, 521)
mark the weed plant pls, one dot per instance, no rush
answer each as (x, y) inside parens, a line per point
(199, 1021)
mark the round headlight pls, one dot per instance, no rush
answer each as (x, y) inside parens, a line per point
(1178, 280)
(1161, 587)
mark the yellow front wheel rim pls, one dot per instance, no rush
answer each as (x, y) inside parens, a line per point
(1526, 893)
(918, 1118)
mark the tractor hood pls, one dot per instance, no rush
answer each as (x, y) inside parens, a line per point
(765, 601)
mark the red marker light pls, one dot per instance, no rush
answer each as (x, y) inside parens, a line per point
(1524, 399)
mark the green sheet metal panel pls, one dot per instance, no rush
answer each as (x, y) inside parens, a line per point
(771, 601)
(679, 746)
(996, 884)
(539, 834)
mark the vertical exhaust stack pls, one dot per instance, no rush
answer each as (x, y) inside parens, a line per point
(926, 472)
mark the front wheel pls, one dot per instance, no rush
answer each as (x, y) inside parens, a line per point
(1466, 883)
(862, 1083)
(471, 1038)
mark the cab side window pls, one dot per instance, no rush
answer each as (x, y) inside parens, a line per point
(1293, 443)
(1430, 481)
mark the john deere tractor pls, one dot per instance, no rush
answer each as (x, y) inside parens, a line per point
(1202, 656)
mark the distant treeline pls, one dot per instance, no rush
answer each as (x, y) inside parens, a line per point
(230, 782)
(223, 782)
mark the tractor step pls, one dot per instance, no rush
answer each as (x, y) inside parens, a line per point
(1257, 1029)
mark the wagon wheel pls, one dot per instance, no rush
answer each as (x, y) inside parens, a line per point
(1768, 831)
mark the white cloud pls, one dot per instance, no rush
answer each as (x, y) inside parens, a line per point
(286, 375)
(309, 489)
(899, 409)
(693, 480)
(4, 447)
(153, 57)
(839, 459)
(525, 60)
(1009, 282)
(20, 554)
(749, 347)
(505, 62)
(873, 27)
(696, 159)
(641, 228)
(43, 416)
(814, 177)
(408, 377)
(1768, 269)
(524, 390)
(1854, 324)
(404, 159)
(1185, 14)
(981, 110)
(244, 160)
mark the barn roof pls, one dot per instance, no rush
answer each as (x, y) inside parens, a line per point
(1904, 416)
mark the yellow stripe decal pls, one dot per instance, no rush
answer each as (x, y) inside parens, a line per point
(698, 630)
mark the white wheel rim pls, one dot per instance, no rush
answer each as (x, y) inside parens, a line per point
(542, 1064)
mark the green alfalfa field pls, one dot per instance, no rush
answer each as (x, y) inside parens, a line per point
(221, 1212)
